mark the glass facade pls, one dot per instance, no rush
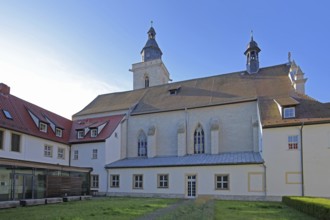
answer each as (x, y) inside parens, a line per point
(19, 182)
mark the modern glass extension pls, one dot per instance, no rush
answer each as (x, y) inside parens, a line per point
(30, 180)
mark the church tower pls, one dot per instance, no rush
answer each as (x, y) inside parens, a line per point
(252, 56)
(151, 71)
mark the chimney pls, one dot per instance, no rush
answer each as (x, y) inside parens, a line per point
(4, 89)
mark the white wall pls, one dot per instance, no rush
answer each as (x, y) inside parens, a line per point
(283, 165)
(316, 149)
(32, 149)
(245, 180)
(236, 133)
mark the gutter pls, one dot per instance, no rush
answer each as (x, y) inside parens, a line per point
(302, 160)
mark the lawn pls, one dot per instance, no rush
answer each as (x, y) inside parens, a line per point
(133, 208)
(103, 208)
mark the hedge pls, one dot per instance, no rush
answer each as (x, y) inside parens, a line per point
(317, 207)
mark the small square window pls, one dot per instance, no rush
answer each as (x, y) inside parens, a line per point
(43, 127)
(293, 142)
(61, 153)
(162, 180)
(114, 181)
(48, 151)
(94, 132)
(80, 134)
(137, 181)
(59, 132)
(289, 112)
(222, 182)
(75, 154)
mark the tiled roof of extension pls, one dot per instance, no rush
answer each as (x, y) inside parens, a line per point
(266, 86)
(234, 158)
(22, 121)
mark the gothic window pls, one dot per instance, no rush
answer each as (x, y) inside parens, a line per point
(199, 141)
(142, 144)
(146, 81)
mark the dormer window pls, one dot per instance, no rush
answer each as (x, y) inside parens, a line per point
(94, 132)
(80, 134)
(174, 90)
(43, 127)
(289, 112)
(59, 132)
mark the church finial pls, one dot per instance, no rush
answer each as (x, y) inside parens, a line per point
(151, 23)
(251, 35)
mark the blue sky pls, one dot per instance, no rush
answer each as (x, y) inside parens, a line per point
(61, 54)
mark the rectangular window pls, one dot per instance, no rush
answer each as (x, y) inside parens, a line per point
(293, 142)
(61, 153)
(75, 154)
(114, 181)
(80, 134)
(15, 142)
(137, 181)
(162, 180)
(222, 182)
(43, 127)
(94, 154)
(94, 181)
(58, 132)
(289, 112)
(94, 132)
(48, 151)
(1, 139)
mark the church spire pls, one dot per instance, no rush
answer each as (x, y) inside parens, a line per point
(252, 56)
(151, 50)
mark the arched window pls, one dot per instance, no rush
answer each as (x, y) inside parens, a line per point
(146, 81)
(199, 146)
(142, 145)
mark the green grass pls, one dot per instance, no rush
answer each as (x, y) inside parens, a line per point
(104, 208)
(244, 210)
(133, 208)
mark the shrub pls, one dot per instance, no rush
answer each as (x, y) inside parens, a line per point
(317, 207)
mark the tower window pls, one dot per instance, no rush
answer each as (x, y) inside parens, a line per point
(146, 82)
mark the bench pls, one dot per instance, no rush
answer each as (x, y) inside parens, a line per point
(31, 202)
(54, 200)
(9, 204)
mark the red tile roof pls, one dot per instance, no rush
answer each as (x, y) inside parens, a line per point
(110, 123)
(22, 121)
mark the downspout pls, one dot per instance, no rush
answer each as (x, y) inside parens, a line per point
(265, 179)
(186, 124)
(302, 160)
(70, 155)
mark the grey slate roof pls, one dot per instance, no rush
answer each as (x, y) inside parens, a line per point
(234, 158)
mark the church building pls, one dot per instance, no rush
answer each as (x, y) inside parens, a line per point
(250, 134)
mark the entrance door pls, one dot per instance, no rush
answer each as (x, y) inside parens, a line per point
(23, 187)
(191, 186)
